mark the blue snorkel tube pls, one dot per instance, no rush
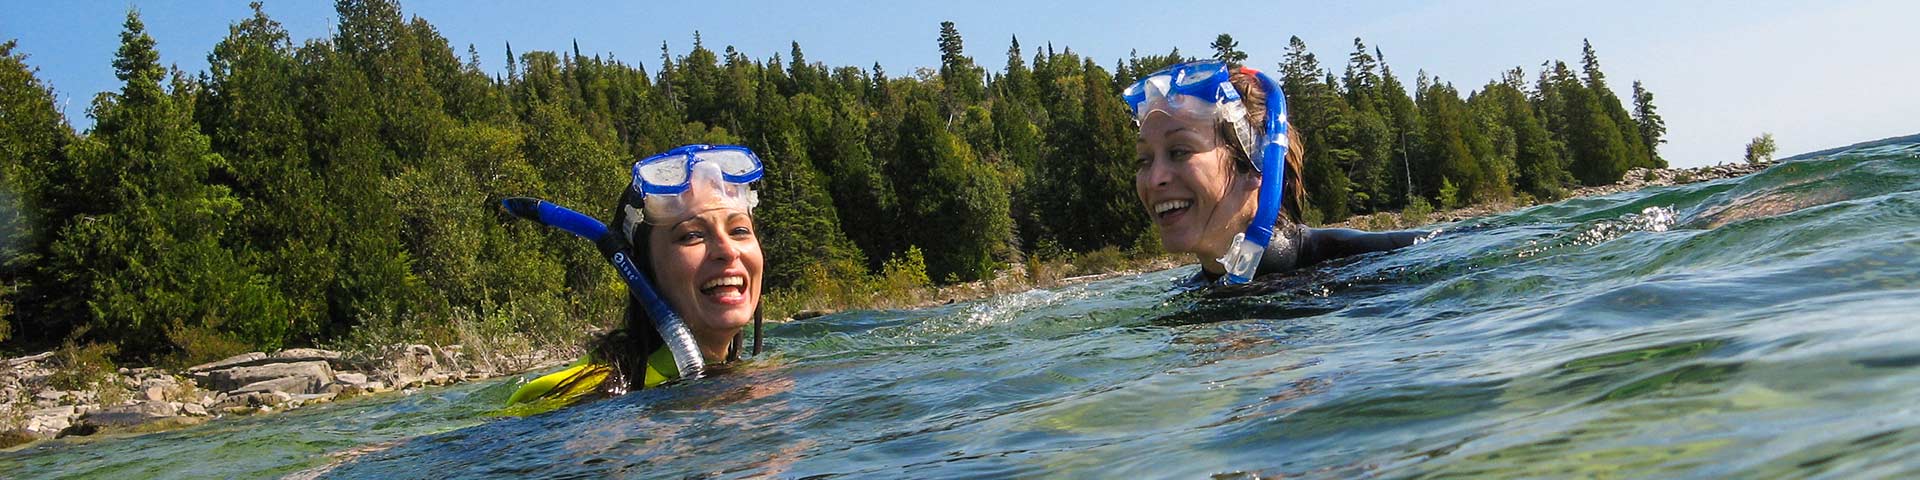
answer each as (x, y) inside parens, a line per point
(1243, 256)
(672, 330)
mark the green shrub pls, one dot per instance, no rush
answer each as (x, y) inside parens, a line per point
(1105, 260)
(1449, 194)
(199, 344)
(1416, 212)
(905, 273)
(82, 367)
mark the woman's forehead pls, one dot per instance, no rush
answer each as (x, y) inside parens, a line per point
(716, 213)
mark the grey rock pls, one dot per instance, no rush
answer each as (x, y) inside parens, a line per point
(229, 362)
(412, 366)
(60, 411)
(307, 353)
(307, 377)
(194, 409)
(48, 425)
(156, 393)
(293, 384)
(350, 378)
(297, 400)
(163, 383)
(50, 395)
(14, 362)
(128, 415)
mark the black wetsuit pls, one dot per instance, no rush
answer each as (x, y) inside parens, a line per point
(1297, 247)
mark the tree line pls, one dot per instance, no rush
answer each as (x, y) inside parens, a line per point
(311, 192)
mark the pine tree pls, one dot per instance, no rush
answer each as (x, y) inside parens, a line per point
(1403, 121)
(1226, 50)
(1653, 129)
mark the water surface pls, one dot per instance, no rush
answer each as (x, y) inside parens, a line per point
(1763, 326)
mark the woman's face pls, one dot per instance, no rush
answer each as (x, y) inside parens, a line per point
(708, 268)
(1187, 184)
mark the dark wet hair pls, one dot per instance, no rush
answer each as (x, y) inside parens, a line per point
(626, 348)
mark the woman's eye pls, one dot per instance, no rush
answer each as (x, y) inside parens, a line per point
(1180, 153)
(742, 232)
(693, 236)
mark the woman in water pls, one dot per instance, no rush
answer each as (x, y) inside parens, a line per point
(1219, 174)
(688, 220)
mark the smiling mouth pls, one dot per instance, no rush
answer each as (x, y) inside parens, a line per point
(1169, 208)
(726, 289)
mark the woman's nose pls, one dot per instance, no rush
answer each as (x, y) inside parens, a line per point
(723, 248)
(1157, 174)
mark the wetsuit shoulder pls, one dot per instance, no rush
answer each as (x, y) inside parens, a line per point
(1320, 244)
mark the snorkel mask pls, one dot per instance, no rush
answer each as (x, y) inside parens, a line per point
(671, 185)
(1202, 91)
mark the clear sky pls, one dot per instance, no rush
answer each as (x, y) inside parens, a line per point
(1815, 74)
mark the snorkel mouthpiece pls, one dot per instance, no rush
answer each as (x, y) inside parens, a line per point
(672, 330)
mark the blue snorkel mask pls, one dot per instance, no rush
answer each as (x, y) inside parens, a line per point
(1202, 91)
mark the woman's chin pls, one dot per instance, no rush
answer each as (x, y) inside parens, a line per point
(1177, 242)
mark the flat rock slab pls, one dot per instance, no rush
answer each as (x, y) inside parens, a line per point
(232, 361)
(314, 375)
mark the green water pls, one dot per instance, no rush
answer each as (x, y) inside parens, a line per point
(1760, 327)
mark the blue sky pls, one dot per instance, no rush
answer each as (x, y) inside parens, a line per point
(1815, 74)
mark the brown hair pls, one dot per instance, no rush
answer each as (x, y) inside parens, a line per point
(1253, 96)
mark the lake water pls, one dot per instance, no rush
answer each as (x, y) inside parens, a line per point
(1765, 326)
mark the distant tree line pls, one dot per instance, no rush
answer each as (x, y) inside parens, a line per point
(304, 193)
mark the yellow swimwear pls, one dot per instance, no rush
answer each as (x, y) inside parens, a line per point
(584, 377)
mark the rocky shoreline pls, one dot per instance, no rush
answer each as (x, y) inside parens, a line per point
(141, 400)
(1635, 179)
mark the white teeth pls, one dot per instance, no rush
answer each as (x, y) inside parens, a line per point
(734, 280)
(1163, 207)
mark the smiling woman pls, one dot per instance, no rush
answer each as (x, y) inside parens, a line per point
(689, 214)
(1220, 174)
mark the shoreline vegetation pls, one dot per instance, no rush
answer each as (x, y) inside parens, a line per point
(341, 193)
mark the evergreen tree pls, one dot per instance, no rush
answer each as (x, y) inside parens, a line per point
(151, 260)
(959, 78)
(1633, 150)
(1225, 49)
(38, 199)
(1653, 129)
(1403, 122)
(251, 114)
(959, 204)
